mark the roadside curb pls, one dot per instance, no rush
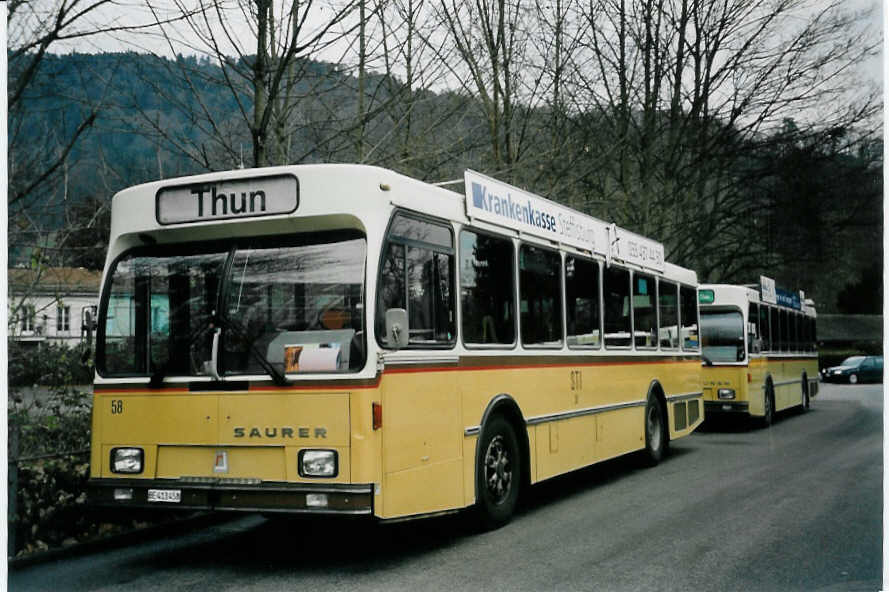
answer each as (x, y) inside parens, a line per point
(119, 540)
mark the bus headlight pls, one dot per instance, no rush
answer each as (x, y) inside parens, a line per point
(726, 393)
(317, 463)
(127, 460)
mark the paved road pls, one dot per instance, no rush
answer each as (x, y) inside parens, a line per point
(793, 507)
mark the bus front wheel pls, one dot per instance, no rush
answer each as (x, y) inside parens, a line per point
(498, 473)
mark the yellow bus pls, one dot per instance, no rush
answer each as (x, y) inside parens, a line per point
(342, 339)
(758, 350)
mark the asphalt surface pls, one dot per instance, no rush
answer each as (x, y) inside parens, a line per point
(793, 507)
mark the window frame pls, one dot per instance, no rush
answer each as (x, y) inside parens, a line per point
(560, 278)
(675, 285)
(63, 318)
(406, 243)
(649, 276)
(629, 272)
(514, 344)
(699, 348)
(600, 317)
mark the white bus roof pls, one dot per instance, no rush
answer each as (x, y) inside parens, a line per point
(298, 198)
(740, 296)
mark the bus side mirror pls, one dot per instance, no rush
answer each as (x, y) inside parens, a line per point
(396, 328)
(89, 324)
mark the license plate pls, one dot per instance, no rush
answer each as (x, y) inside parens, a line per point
(173, 496)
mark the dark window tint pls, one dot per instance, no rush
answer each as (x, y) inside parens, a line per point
(785, 331)
(617, 307)
(689, 317)
(158, 313)
(297, 308)
(668, 305)
(644, 311)
(417, 274)
(540, 296)
(753, 334)
(722, 333)
(777, 344)
(582, 302)
(764, 327)
(487, 288)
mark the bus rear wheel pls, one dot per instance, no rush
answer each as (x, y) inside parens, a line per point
(768, 403)
(655, 431)
(805, 393)
(498, 474)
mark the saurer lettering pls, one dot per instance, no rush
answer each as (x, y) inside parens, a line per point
(280, 432)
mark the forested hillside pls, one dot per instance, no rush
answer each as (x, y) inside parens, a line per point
(803, 205)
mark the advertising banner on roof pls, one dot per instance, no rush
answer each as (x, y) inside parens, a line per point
(505, 205)
(767, 291)
(789, 299)
(630, 247)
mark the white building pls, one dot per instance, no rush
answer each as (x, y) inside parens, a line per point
(49, 305)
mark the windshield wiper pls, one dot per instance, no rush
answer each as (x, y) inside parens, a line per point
(159, 373)
(277, 376)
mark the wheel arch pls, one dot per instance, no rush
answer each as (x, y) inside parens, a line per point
(503, 404)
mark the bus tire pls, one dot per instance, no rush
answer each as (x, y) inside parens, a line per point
(498, 474)
(805, 404)
(655, 431)
(768, 403)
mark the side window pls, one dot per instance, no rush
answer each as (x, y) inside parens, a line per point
(777, 344)
(540, 294)
(644, 311)
(617, 307)
(764, 327)
(668, 306)
(582, 302)
(785, 331)
(417, 273)
(754, 337)
(487, 289)
(688, 302)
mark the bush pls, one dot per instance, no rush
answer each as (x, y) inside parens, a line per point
(48, 364)
(51, 434)
(49, 441)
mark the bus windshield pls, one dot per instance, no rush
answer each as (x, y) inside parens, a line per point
(281, 307)
(722, 333)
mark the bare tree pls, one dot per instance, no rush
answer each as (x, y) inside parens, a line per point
(682, 88)
(262, 49)
(491, 38)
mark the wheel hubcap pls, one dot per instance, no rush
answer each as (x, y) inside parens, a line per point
(498, 469)
(654, 427)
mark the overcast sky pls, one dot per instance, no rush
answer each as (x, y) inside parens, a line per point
(128, 12)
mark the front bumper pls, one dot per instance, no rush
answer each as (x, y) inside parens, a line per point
(220, 494)
(716, 407)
